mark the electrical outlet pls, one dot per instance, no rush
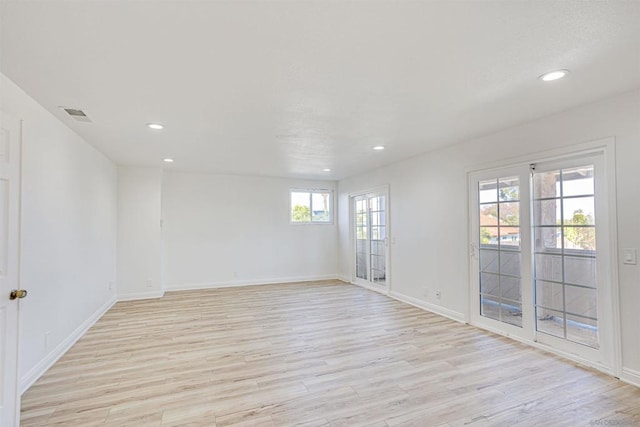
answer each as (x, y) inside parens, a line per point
(110, 286)
(438, 295)
(149, 283)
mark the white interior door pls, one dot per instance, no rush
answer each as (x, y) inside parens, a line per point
(371, 239)
(9, 264)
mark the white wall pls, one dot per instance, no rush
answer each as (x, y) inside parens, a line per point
(225, 230)
(139, 233)
(429, 213)
(228, 229)
(68, 233)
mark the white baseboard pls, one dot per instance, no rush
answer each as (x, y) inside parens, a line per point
(630, 376)
(548, 349)
(140, 295)
(436, 309)
(37, 371)
(375, 288)
(255, 282)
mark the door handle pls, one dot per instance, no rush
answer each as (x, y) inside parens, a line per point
(17, 294)
(473, 250)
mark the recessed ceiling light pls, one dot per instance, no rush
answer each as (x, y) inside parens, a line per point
(155, 126)
(326, 170)
(553, 75)
(167, 160)
(379, 147)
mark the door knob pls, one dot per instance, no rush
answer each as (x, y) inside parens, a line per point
(17, 294)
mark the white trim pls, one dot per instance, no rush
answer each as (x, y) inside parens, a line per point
(16, 380)
(343, 278)
(548, 349)
(630, 376)
(433, 308)
(37, 371)
(616, 313)
(389, 250)
(254, 282)
(140, 295)
(580, 149)
(380, 188)
(370, 286)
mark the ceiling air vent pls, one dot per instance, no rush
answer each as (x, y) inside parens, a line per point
(77, 115)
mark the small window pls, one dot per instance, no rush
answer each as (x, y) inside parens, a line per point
(311, 206)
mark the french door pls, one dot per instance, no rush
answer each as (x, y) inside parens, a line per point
(370, 234)
(501, 246)
(540, 257)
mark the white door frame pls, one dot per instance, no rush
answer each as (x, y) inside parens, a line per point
(526, 331)
(382, 190)
(605, 147)
(9, 309)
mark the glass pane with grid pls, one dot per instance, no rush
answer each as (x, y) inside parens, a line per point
(377, 249)
(564, 224)
(362, 233)
(500, 251)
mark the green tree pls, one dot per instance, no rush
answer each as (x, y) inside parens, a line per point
(301, 213)
(509, 212)
(582, 237)
(510, 218)
(490, 210)
(485, 236)
(508, 193)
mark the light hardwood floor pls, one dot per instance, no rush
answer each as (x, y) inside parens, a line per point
(312, 354)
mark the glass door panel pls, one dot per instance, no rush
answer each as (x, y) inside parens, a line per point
(362, 237)
(500, 251)
(378, 239)
(565, 254)
(370, 236)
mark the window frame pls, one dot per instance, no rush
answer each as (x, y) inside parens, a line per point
(311, 192)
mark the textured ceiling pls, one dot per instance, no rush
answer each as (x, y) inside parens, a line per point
(285, 88)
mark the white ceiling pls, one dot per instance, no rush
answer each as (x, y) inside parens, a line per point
(286, 88)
